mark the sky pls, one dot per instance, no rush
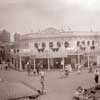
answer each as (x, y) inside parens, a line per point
(25, 16)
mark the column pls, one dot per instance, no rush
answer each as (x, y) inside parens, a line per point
(78, 56)
(34, 65)
(63, 63)
(48, 63)
(88, 57)
(20, 62)
(97, 52)
(88, 61)
(78, 59)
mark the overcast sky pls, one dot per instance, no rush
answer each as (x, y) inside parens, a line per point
(32, 15)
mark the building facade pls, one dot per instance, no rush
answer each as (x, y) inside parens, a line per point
(52, 47)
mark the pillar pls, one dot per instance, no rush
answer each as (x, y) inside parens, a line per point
(78, 59)
(48, 63)
(88, 61)
(20, 63)
(97, 54)
(34, 64)
(63, 63)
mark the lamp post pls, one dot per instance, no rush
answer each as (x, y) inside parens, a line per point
(33, 58)
(78, 55)
(48, 59)
(88, 57)
(97, 49)
(20, 62)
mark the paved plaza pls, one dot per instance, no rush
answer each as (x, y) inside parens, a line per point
(57, 86)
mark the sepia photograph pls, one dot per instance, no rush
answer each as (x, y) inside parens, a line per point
(49, 49)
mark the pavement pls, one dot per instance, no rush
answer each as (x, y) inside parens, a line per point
(57, 86)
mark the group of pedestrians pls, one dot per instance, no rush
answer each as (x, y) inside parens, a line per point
(36, 71)
(39, 71)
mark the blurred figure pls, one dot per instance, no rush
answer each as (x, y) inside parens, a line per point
(96, 76)
(91, 68)
(66, 70)
(42, 80)
(7, 66)
(79, 68)
(3, 65)
(70, 67)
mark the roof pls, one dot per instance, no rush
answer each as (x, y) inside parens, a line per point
(50, 30)
(53, 32)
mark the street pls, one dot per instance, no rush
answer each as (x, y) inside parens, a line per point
(57, 86)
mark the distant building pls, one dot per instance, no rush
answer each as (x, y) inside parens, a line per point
(4, 45)
(51, 46)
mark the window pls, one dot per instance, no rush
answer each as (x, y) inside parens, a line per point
(66, 44)
(43, 45)
(83, 42)
(78, 43)
(58, 44)
(93, 42)
(88, 43)
(50, 44)
(36, 45)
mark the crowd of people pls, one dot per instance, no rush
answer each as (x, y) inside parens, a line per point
(39, 71)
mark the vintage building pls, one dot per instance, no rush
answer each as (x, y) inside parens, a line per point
(52, 47)
(4, 45)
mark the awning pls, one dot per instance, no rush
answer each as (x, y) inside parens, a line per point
(51, 55)
(11, 91)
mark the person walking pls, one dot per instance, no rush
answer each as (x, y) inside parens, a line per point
(96, 76)
(91, 68)
(79, 68)
(42, 80)
(66, 70)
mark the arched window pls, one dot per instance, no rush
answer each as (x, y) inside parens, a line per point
(88, 43)
(93, 45)
(78, 43)
(43, 45)
(58, 44)
(83, 42)
(36, 45)
(66, 44)
(50, 44)
(93, 42)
